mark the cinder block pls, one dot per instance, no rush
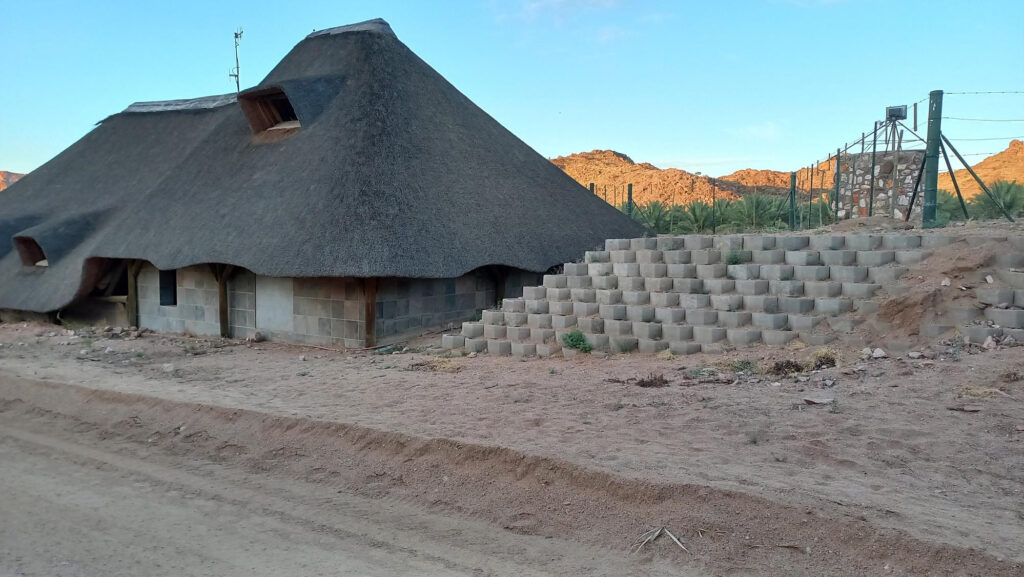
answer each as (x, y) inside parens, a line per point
(664, 299)
(817, 289)
(636, 297)
(598, 342)
(625, 269)
(743, 337)
(795, 305)
(683, 347)
(513, 305)
(704, 257)
(514, 319)
(622, 344)
(554, 281)
(616, 244)
(472, 330)
(827, 242)
(1018, 298)
(632, 283)
(585, 309)
(649, 256)
(539, 335)
(653, 270)
(517, 333)
(777, 338)
(1010, 259)
(803, 257)
(733, 319)
(639, 313)
(558, 294)
(563, 321)
(1017, 334)
(737, 256)
(816, 339)
(743, 271)
(693, 242)
(653, 285)
(709, 271)
(476, 345)
(833, 306)
(718, 286)
(694, 300)
(786, 288)
(600, 269)
(677, 332)
(617, 328)
(901, 241)
(647, 330)
(848, 273)
(761, 303)
(774, 256)
(838, 257)
(727, 243)
(645, 243)
(912, 256)
(777, 272)
(591, 325)
(1013, 278)
(620, 256)
(863, 242)
(561, 307)
(804, 322)
(453, 341)
(669, 315)
(539, 321)
(811, 273)
(547, 350)
(886, 274)
(752, 287)
(524, 349)
(865, 306)
(572, 269)
(492, 318)
(773, 321)
(701, 317)
(708, 334)
(875, 257)
(576, 282)
(688, 285)
(790, 243)
(613, 312)
(606, 282)
(537, 307)
(649, 346)
(676, 257)
(681, 271)
(728, 302)
(499, 347)
(584, 295)
(758, 242)
(979, 333)
(1006, 318)
(666, 243)
(534, 293)
(962, 315)
(937, 240)
(592, 256)
(859, 290)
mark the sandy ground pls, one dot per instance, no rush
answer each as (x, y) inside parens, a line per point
(893, 477)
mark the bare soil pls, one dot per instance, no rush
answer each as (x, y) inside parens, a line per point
(889, 466)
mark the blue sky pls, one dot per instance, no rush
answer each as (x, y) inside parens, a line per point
(711, 86)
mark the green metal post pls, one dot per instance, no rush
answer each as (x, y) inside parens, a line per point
(792, 201)
(629, 196)
(931, 159)
(835, 217)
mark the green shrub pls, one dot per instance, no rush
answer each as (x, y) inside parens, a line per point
(576, 340)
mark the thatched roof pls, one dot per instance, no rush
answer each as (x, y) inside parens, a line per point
(393, 172)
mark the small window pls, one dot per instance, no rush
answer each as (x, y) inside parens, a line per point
(269, 110)
(30, 252)
(169, 288)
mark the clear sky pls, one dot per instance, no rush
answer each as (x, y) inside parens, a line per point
(709, 86)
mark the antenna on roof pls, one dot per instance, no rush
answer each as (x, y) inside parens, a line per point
(234, 72)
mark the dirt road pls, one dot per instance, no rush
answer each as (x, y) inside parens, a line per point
(75, 509)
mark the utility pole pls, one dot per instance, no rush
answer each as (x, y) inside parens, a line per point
(236, 71)
(931, 158)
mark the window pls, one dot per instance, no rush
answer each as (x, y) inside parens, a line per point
(269, 110)
(169, 288)
(30, 252)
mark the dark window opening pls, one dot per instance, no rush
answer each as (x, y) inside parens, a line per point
(169, 288)
(269, 110)
(30, 252)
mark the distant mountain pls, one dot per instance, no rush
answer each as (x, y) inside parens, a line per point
(1008, 165)
(8, 178)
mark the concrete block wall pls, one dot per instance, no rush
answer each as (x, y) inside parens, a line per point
(196, 311)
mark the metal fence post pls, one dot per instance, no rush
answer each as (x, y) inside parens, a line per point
(931, 159)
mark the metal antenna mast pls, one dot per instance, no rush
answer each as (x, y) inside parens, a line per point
(235, 72)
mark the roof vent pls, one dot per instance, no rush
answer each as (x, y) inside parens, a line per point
(269, 109)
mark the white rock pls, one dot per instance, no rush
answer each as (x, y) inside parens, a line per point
(989, 279)
(167, 368)
(915, 354)
(878, 354)
(83, 352)
(302, 357)
(946, 281)
(990, 343)
(866, 352)
(108, 350)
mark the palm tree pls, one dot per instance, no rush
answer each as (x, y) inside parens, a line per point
(1009, 194)
(692, 218)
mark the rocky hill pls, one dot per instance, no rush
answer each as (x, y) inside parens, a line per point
(1008, 165)
(8, 178)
